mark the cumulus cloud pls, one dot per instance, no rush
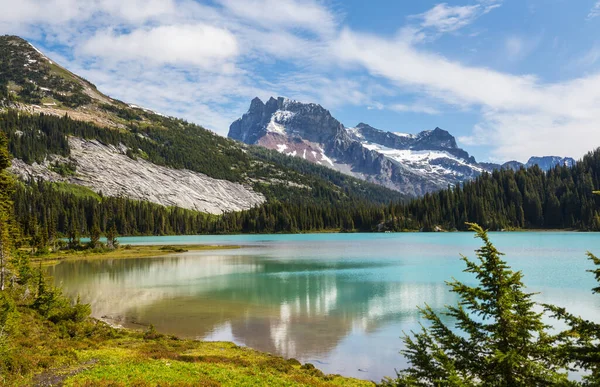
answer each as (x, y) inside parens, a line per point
(201, 45)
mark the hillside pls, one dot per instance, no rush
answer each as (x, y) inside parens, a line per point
(60, 126)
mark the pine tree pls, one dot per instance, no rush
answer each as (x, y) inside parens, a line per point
(6, 219)
(503, 340)
(581, 342)
(95, 234)
(111, 237)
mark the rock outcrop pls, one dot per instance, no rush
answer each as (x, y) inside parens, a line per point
(109, 170)
(411, 164)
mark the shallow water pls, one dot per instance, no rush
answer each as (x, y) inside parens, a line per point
(340, 301)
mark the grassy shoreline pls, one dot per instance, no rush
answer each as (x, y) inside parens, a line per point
(92, 352)
(100, 355)
(125, 252)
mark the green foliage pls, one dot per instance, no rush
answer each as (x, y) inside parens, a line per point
(64, 169)
(122, 112)
(580, 343)
(8, 320)
(503, 341)
(95, 235)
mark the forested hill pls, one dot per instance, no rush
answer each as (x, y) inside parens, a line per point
(562, 198)
(59, 124)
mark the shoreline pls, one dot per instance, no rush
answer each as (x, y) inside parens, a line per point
(126, 252)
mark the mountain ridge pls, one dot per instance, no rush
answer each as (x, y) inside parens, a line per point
(43, 107)
(310, 131)
(413, 164)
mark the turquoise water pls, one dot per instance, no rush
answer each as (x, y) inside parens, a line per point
(340, 301)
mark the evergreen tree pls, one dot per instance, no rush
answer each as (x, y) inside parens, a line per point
(581, 342)
(6, 207)
(111, 237)
(503, 340)
(95, 234)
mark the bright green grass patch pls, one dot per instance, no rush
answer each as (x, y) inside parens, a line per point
(165, 361)
(77, 190)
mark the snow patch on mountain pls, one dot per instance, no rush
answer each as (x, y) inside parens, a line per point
(39, 52)
(407, 135)
(275, 127)
(410, 163)
(418, 157)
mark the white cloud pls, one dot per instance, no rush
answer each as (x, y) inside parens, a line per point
(519, 47)
(53, 12)
(447, 18)
(514, 46)
(595, 11)
(521, 115)
(414, 108)
(201, 45)
(205, 62)
(590, 58)
(284, 14)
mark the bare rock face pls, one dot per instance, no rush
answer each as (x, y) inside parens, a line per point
(108, 170)
(412, 164)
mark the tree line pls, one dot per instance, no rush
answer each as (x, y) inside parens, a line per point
(525, 199)
(561, 198)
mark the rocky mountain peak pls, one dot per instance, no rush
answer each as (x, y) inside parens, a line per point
(545, 163)
(437, 138)
(284, 117)
(256, 104)
(412, 164)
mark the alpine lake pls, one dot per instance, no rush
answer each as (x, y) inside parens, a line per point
(339, 301)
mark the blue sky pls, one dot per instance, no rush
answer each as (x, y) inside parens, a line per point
(509, 78)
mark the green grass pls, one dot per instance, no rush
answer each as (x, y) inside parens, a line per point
(77, 190)
(42, 353)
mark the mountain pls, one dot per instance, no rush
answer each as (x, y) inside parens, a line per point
(545, 163)
(411, 164)
(62, 129)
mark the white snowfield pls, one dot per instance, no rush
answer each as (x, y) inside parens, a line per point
(278, 119)
(108, 170)
(399, 134)
(420, 159)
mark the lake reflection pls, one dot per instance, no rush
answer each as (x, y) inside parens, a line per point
(342, 309)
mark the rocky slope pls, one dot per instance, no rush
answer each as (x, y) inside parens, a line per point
(411, 164)
(107, 169)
